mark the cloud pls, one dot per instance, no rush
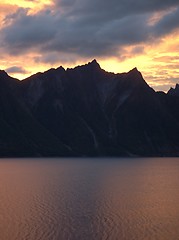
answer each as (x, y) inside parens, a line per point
(166, 58)
(167, 24)
(25, 31)
(5, 9)
(114, 9)
(88, 29)
(16, 69)
(138, 50)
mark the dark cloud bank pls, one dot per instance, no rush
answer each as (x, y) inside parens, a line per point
(90, 28)
(16, 69)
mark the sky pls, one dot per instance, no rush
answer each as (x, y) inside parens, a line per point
(36, 35)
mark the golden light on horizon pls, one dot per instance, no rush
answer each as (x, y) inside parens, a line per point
(152, 63)
(156, 62)
(25, 3)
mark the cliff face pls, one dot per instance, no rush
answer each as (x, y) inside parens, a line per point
(86, 111)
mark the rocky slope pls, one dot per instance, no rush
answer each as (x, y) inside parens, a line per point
(86, 111)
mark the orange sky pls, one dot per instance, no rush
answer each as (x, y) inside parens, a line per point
(157, 60)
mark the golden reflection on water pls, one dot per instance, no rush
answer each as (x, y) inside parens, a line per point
(62, 199)
(145, 200)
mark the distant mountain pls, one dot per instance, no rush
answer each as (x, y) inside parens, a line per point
(174, 91)
(86, 111)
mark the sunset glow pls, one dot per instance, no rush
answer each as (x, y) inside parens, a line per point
(37, 35)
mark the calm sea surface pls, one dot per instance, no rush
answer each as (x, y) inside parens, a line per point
(95, 199)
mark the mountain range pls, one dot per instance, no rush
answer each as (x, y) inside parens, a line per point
(86, 111)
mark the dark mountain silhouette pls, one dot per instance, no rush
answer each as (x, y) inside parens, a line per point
(87, 111)
(174, 91)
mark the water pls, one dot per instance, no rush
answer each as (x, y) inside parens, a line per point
(95, 199)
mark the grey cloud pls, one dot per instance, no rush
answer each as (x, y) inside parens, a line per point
(16, 69)
(100, 11)
(49, 58)
(114, 7)
(28, 31)
(138, 50)
(91, 28)
(168, 23)
(55, 57)
(21, 12)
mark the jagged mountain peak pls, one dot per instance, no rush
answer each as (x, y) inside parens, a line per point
(135, 76)
(135, 71)
(174, 91)
(58, 69)
(6, 79)
(94, 61)
(61, 68)
(177, 86)
(94, 64)
(90, 65)
(3, 73)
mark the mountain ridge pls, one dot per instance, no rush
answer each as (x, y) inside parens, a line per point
(87, 111)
